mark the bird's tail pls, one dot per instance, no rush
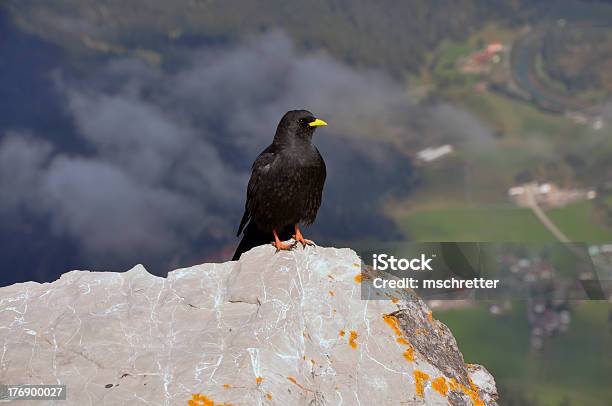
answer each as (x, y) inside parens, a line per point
(253, 237)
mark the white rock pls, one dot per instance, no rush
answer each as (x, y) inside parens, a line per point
(271, 329)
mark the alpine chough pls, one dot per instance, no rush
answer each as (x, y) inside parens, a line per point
(286, 186)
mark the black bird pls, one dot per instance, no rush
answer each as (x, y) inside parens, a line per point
(286, 186)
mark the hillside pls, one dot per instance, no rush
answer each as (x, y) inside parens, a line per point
(393, 36)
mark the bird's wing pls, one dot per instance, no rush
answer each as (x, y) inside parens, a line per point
(261, 166)
(319, 182)
(323, 168)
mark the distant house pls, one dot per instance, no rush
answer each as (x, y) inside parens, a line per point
(547, 194)
(495, 47)
(431, 153)
(480, 61)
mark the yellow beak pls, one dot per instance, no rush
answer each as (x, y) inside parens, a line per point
(317, 123)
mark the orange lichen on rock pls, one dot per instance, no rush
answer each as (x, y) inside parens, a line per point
(393, 323)
(295, 382)
(201, 400)
(227, 386)
(453, 384)
(420, 378)
(472, 384)
(430, 316)
(358, 278)
(342, 333)
(419, 331)
(402, 341)
(259, 379)
(440, 386)
(472, 393)
(269, 396)
(409, 354)
(352, 339)
(394, 300)
(331, 293)
(197, 399)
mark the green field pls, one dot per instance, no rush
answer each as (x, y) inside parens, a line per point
(578, 221)
(469, 224)
(574, 366)
(515, 118)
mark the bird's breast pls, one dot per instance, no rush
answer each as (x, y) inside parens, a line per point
(290, 192)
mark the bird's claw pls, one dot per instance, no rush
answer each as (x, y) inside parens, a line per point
(303, 241)
(281, 246)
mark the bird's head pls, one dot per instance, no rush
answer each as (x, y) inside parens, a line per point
(297, 124)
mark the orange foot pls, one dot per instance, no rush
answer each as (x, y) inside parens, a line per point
(279, 244)
(300, 238)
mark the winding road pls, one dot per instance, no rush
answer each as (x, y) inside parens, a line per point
(544, 219)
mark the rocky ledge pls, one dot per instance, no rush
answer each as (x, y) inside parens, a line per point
(271, 329)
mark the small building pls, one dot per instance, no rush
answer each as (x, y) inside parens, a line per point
(495, 47)
(547, 195)
(431, 154)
